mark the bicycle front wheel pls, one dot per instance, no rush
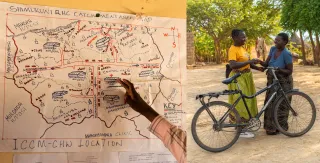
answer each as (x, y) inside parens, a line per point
(298, 123)
(211, 136)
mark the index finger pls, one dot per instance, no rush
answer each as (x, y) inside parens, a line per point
(123, 84)
(128, 83)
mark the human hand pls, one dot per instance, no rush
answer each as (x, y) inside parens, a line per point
(259, 61)
(136, 102)
(255, 61)
(261, 69)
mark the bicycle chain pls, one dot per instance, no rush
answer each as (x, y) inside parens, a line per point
(254, 125)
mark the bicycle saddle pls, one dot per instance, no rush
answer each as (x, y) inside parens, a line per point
(230, 79)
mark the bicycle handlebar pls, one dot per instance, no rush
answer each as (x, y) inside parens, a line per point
(273, 68)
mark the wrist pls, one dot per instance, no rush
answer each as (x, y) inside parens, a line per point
(150, 114)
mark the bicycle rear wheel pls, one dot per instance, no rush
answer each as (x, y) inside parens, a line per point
(299, 124)
(205, 132)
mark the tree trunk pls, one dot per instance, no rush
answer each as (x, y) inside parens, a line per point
(315, 56)
(263, 50)
(217, 50)
(318, 48)
(302, 48)
(257, 48)
(226, 59)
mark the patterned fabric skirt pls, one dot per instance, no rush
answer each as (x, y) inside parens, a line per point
(247, 87)
(286, 84)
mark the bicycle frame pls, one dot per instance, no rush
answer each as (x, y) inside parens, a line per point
(243, 97)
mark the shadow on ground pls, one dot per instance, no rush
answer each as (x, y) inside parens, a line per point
(262, 148)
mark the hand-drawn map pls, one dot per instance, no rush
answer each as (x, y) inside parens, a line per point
(59, 69)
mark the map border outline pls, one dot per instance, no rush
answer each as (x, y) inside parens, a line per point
(51, 17)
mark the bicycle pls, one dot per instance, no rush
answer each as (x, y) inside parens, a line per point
(254, 123)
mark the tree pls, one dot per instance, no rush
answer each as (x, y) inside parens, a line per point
(318, 47)
(313, 45)
(313, 19)
(289, 16)
(303, 16)
(314, 9)
(212, 16)
(219, 17)
(302, 47)
(203, 44)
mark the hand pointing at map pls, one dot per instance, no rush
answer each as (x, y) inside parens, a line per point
(136, 102)
(172, 137)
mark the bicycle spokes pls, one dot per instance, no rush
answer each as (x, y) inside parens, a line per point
(297, 119)
(215, 135)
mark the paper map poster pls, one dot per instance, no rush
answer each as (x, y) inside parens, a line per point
(58, 72)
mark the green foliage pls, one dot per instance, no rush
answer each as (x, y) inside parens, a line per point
(301, 15)
(203, 44)
(295, 50)
(217, 18)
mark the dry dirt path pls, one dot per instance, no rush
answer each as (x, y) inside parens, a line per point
(262, 148)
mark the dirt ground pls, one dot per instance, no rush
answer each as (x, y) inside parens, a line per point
(262, 148)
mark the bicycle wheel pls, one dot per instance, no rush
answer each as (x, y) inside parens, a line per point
(204, 130)
(288, 123)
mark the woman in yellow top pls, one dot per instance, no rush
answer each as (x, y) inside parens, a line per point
(239, 61)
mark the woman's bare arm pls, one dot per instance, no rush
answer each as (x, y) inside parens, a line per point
(236, 65)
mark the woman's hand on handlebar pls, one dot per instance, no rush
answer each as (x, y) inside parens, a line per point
(255, 61)
(261, 69)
